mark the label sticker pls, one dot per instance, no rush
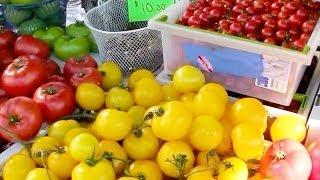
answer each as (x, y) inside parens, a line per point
(275, 75)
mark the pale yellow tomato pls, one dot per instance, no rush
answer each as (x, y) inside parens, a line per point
(137, 113)
(249, 110)
(118, 98)
(147, 93)
(200, 172)
(18, 167)
(209, 103)
(175, 152)
(73, 133)
(101, 170)
(209, 159)
(25, 151)
(216, 88)
(61, 163)
(136, 76)
(233, 168)
(170, 93)
(147, 169)
(288, 127)
(117, 153)
(141, 144)
(90, 96)
(188, 79)
(112, 124)
(187, 100)
(58, 129)
(41, 174)
(247, 141)
(111, 73)
(173, 123)
(206, 133)
(225, 146)
(83, 146)
(41, 149)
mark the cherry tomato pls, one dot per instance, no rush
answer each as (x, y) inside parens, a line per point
(146, 169)
(281, 35)
(271, 23)
(270, 40)
(18, 167)
(111, 73)
(86, 75)
(28, 45)
(136, 76)
(21, 116)
(224, 25)
(188, 79)
(235, 28)
(170, 93)
(187, 100)
(137, 114)
(299, 44)
(74, 65)
(257, 18)
(70, 134)
(251, 27)
(194, 21)
(118, 98)
(208, 159)
(41, 174)
(147, 92)
(233, 168)
(186, 16)
(267, 33)
(282, 24)
(83, 146)
(101, 170)
(23, 76)
(308, 26)
(90, 96)
(58, 129)
(302, 13)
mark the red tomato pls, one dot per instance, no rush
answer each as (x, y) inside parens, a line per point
(52, 68)
(286, 159)
(28, 45)
(58, 78)
(21, 116)
(7, 38)
(6, 57)
(73, 65)
(314, 152)
(55, 99)
(23, 76)
(88, 75)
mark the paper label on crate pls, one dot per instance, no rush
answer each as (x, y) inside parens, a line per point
(143, 10)
(275, 75)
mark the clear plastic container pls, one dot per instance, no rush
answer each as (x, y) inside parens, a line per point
(248, 67)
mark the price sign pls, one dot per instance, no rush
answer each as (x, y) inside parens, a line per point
(143, 10)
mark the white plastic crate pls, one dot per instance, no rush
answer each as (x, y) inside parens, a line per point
(248, 67)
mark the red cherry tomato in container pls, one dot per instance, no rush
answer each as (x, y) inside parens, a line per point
(73, 65)
(55, 99)
(286, 159)
(88, 75)
(21, 116)
(23, 76)
(28, 45)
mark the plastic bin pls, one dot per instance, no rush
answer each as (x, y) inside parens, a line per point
(248, 67)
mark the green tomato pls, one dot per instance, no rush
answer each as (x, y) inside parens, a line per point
(23, 2)
(50, 35)
(64, 47)
(78, 29)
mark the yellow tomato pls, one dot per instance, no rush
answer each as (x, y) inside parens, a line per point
(173, 122)
(249, 110)
(118, 98)
(248, 142)
(209, 103)
(186, 139)
(41, 148)
(111, 73)
(148, 169)
(73, 133)
(288, 127)
(233, 169)
(90, 96)
(58, 129)
(208, 159)
(216, 88)
(117, 152)
(112, 124)
(128, 178)
(147, 93)
(101, 170)
(200, 172)
(225, 147)
(137, 113)
(25, 151)
(176, 152)
(188, 79)
(170, 93)
(41, 174)
(206, 133)
(141, 144)
(187, 100)
(18, 167)
(61, 164)
(136, 76)
(83, 146)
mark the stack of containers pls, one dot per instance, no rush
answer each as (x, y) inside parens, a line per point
(248, 67)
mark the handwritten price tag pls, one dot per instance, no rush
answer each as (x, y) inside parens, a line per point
(143, 10)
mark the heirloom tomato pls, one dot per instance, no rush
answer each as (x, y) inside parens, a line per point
(147, 169)
(58, 129)
(233, 168)
(136, 76)
(90, 96)
(118, 98)
(86, 75)
(101, 170)
(28, 45)
(18, 167)
(111, 73)
(74, 65)
(188, 79)
(83, 146)
(147, 92)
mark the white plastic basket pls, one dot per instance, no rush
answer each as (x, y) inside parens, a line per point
(131, 49)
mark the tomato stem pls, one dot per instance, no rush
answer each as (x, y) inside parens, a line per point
(280, 155)
(14, 119)
(103, 73)
(157, 112)
(179, 161)
(50, 91)
(109, 156)
(79, 59)
(137, 129)
(80, 114)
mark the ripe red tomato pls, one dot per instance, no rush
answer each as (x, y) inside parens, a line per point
(7, 38)
(23, 76)
(314, 152)
(271, 23)
(281, 35)
(270, 40)
(186, 16)
(253, 36)
(52, 68)
(235, 28)
(88, 75)
(55, 99)
(276, 6)
(308, 26)
(282, 24)
(194, 21)
(286, 159)
(257, 18)
(216, 14)
(28, 45)
(6, 57)
(266, 33)
(58, 78)
(302, 13)
(224, 25)
(73, 65)
(251, 27)
(299, 44)
(21, 116)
